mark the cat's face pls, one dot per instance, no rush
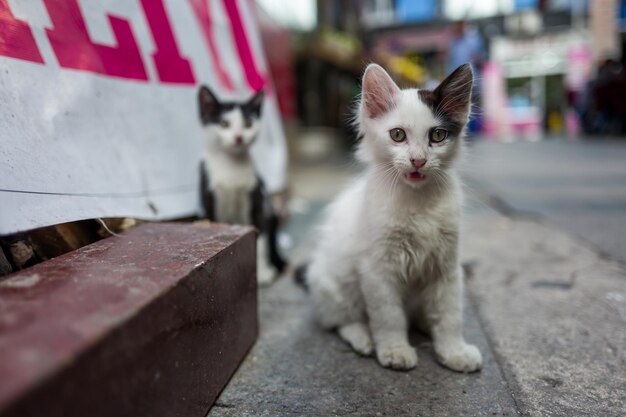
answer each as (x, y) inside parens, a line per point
(232, 126)
(413, 134)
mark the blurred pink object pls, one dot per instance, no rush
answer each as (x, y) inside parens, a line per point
(579, 68)
(496, 118)
(525, 122)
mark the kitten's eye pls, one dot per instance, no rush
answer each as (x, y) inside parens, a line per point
(224, 123)
(248, 122)
(438, 135)
(397, 135)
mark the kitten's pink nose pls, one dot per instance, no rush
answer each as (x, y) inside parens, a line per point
(418, 163)
(238, 140)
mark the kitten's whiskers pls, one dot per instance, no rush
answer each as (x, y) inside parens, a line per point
(381, 177)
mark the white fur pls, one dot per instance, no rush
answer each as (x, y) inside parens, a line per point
(233, 177)
(388, 250)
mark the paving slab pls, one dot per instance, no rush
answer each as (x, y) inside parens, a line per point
(577, 186)
(555, 313)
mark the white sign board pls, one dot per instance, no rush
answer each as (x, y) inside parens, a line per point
(98, 105)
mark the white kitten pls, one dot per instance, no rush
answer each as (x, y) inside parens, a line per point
(230, 190)
(388, 252)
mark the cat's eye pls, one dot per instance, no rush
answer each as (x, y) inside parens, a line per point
(224, 123)
(397, 134)
(247, 122)
(438, 135)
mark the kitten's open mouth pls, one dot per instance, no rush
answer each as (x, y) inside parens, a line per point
(414, 176)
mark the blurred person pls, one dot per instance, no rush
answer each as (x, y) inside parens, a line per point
(467, 46)
(619, 99)
(610, 95)
(601, 103)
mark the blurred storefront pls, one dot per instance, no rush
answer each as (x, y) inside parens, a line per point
(545, 61)
(536, 60)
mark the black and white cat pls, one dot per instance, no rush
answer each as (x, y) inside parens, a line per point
(230, 189)
(388, 251)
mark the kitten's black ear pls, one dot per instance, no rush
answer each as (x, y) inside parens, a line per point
(453, 95)
(379, 91)
(255, 103)
(208, 104)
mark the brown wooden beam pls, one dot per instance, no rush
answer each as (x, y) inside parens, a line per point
(152, 323)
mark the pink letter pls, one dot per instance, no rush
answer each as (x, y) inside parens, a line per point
(253, 76)
(70, 40)
(172, 68)
(201, 10)
(16, 38)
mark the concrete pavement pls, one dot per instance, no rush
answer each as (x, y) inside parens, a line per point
(547, 310)
(577, 186)
(554, 311)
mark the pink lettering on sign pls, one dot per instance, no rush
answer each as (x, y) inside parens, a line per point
(16, 38)
(201, 10)
(255, 80)
(170, 65)
(74, 49)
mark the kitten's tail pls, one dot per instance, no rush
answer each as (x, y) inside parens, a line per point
(299, 276)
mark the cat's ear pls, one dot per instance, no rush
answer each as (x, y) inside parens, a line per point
(379, 91)
(208, 104)
(255, 103)
(453, 95)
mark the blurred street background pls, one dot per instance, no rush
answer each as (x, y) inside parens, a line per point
(548, 131)
(545, 219)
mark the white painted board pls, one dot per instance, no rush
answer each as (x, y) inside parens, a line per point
(77, 143)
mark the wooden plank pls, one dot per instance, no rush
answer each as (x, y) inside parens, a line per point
(53, 241)
(152, 323)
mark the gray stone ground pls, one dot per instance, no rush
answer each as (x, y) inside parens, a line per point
(554, 313)
(546, 309)
(579, 186)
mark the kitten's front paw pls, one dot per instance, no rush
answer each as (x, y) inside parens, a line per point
(358, 336)
(401, 357)
(465, 358)
(363, 347)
